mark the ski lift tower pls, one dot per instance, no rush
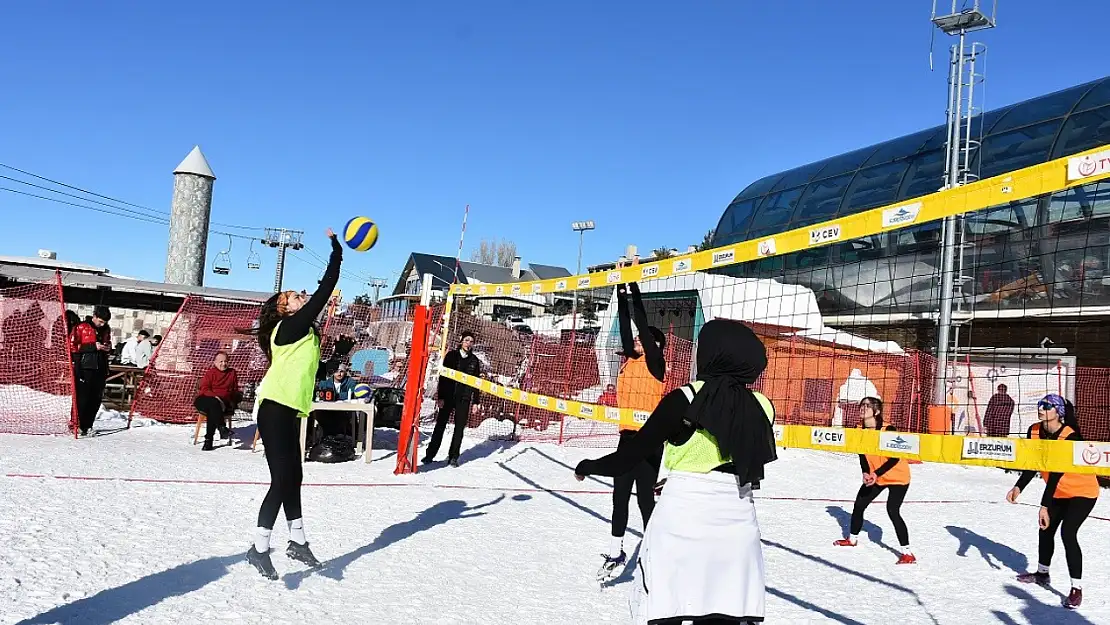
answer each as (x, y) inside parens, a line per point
(282, 239)
(960, 146)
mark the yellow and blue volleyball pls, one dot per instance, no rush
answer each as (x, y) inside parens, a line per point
(362, 390)
(360, 234)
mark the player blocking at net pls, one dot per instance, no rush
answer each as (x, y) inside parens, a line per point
(639, 387)
(291, 342)
(701, 559)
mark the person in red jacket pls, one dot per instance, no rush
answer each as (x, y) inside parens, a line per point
(219, 393)
(89, 345)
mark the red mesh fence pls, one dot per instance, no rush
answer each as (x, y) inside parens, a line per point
(36, 375)
(200, 330)
(1092, 402)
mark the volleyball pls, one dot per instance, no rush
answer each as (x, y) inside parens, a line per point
(362, 390)
(360, 234)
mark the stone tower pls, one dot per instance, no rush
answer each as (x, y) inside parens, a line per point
(189, 214)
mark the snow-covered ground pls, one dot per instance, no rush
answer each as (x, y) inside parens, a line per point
(140, 526)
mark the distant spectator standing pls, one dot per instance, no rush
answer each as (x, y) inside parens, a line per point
(1000, 408)
(217, 398)
(89, 344)
(453, 397)
(137, 350)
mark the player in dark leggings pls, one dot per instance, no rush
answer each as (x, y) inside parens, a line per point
(880, 473)
(1067, 501)
(639, 387)
(291, 343)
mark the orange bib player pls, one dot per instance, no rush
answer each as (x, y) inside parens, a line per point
(1067, 500)
(879, 474)
(639, 387)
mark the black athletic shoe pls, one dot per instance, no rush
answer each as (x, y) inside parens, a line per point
(453, 462)
(207, 445)
(301, 553)
(427, 460)
(261, 561)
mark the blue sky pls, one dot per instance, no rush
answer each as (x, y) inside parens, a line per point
(647, 116)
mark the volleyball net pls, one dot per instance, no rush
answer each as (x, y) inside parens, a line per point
(847, 308)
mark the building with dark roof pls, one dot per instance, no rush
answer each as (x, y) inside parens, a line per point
(1042, 257)
(444, 273)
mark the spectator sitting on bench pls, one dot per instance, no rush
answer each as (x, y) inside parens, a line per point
(219, 394)
(336, 387)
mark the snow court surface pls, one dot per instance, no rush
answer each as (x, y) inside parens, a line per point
(159, 532)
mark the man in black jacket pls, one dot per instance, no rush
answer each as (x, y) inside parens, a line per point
(452, 397)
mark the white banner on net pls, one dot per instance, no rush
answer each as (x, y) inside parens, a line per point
(996, 394)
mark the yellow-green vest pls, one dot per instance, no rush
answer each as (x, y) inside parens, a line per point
(701, 454)
(291, 378)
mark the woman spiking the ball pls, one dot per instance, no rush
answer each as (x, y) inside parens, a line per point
(291, 343)
(1067, 501)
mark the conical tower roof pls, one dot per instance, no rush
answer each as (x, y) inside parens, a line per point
(196, 164)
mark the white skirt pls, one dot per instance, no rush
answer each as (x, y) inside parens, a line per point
(701, 553)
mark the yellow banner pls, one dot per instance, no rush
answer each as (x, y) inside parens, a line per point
(1011, 187)
(1009, 453)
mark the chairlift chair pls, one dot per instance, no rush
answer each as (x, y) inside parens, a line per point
(221, 265)
(254, 262)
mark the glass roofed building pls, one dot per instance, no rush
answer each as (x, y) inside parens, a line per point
(1047, 252)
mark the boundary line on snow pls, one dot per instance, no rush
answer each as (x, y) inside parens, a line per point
(506, 489)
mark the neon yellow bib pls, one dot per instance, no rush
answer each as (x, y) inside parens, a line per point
(291, 378)
(701, 454)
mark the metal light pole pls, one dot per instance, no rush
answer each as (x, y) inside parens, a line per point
(580, 227)
(961, 85)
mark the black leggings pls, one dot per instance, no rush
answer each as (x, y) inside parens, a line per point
(281, 431)
(1067, 514)
(213, 410)
(895, 496)
(643, 476)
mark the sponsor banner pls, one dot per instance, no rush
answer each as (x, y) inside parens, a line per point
(542, 401)
(523, 397)
(561, 285)
(724, 257)
(900, 443)
(613, 414)
(824, 234)
(586, 410)
(584, 282)
(684, 265)
(613, 277)
(499, 290)
(1080, 167)
(767, 248)
(516, 289)
(779, 431)
(901, 215)
(536, 288)
(1089, 454)
(990, 449)
(649, 271)
(828, 437)
(561, 405)
(640, 416)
